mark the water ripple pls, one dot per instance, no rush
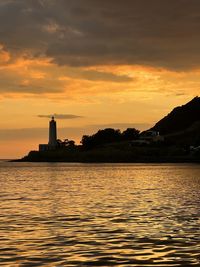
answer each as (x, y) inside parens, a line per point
(99, 215)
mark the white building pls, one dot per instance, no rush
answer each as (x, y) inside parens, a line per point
(151, 136)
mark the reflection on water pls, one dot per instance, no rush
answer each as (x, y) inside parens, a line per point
(99, 215)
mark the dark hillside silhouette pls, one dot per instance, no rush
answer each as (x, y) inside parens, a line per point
(180, 118)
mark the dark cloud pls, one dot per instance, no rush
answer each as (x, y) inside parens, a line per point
(61, 116)
(93, 75)
(12, 82)
(95, 32)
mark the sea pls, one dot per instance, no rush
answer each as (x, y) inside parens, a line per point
(64, 214)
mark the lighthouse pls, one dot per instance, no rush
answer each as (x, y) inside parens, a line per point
(52, 134)
(52, 144)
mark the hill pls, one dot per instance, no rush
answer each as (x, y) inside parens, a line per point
(180, 119)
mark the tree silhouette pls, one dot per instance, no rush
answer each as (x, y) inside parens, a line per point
(108, 135)
(130, 134)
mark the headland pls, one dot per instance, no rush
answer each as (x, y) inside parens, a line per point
(175, 138)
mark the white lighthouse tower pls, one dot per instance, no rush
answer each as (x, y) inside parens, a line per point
(52, 134)
(52, 144)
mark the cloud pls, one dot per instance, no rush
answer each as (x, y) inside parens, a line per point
(68, 49)
(39, 76)
(95, 75)
(61, 116)
(98, 32)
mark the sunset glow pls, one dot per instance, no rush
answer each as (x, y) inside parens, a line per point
(110, 63)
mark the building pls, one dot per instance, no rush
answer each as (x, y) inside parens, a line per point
(151, 136)
(53, 143)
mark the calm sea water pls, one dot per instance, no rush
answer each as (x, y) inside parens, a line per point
(99, 215)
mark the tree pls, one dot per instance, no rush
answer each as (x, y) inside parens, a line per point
(71, 143)
(87, 141)
(130, 134)
(107, 135)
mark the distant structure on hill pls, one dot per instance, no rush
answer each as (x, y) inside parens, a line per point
(52, 144)
(148, 137)
(151, 136)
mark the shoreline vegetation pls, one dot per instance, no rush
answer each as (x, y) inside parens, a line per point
(115, 153)
(174, 139)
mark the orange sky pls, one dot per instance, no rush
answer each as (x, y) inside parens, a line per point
(110, 69)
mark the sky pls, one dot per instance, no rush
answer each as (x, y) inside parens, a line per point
(93, 63)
